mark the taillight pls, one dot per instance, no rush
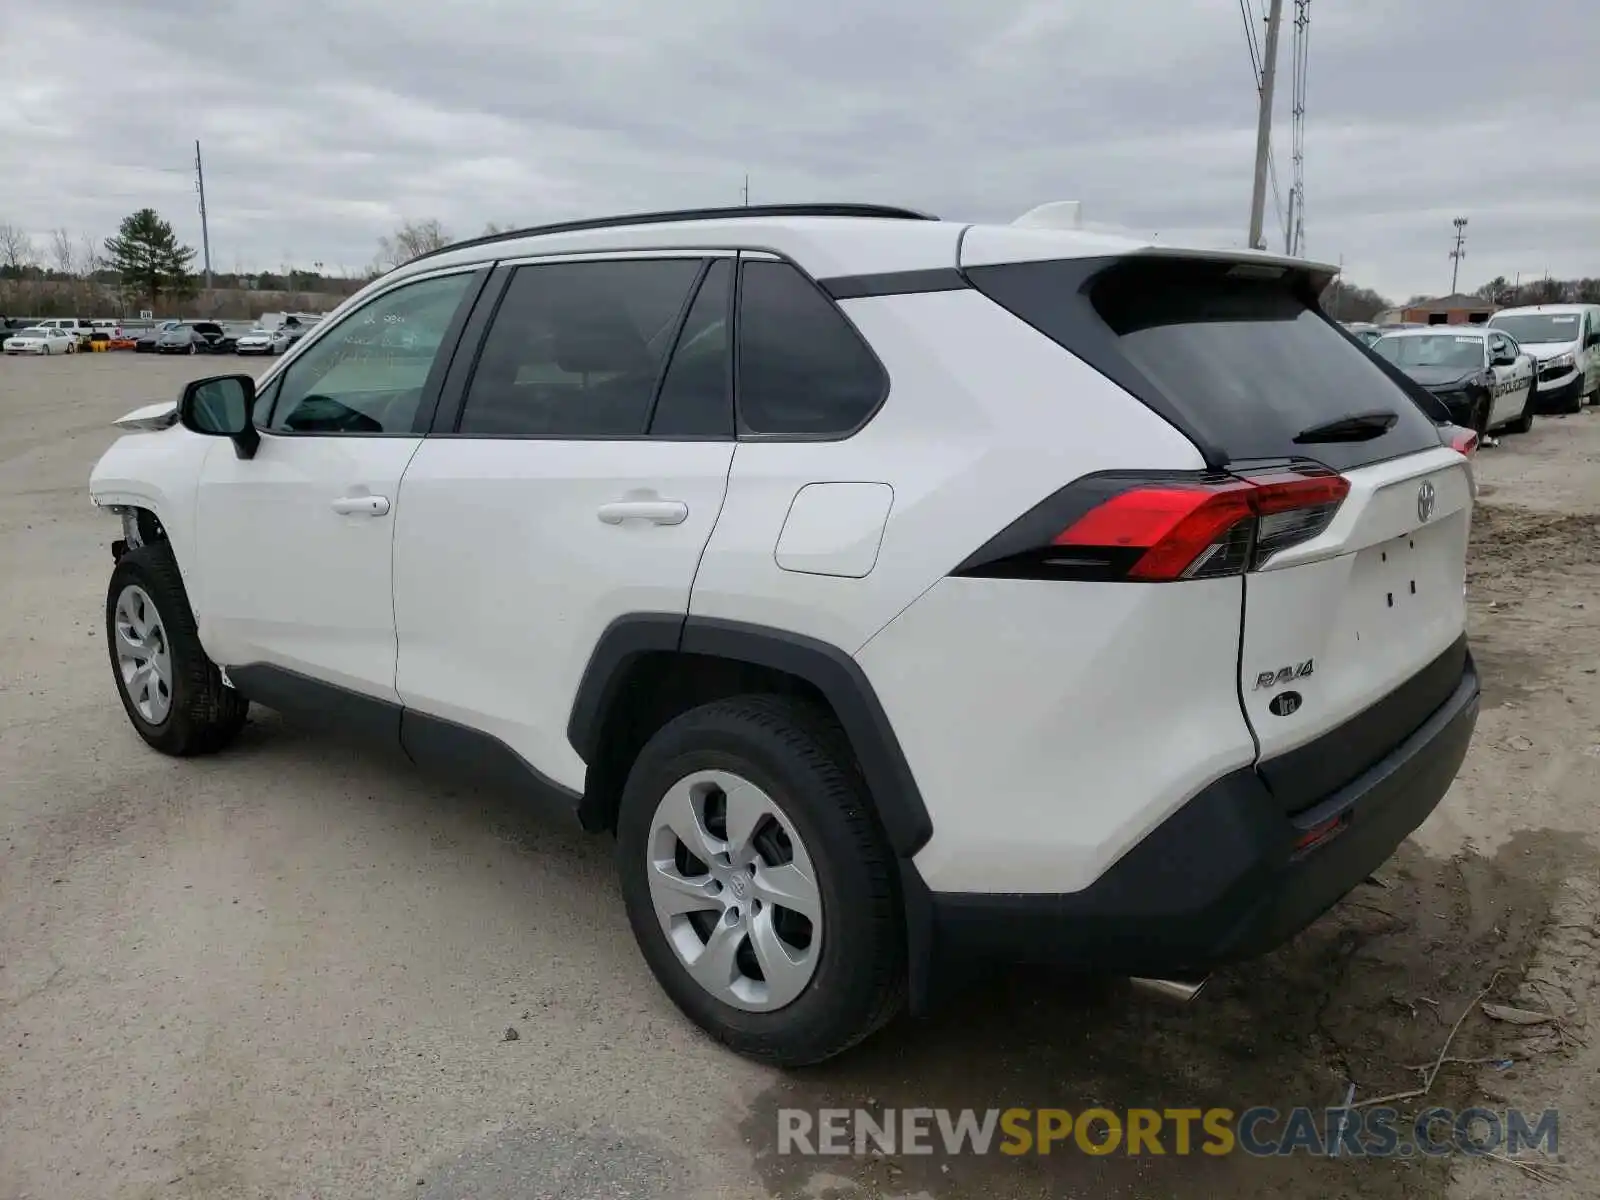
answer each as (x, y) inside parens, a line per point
(1462, 440)
(1163, 529)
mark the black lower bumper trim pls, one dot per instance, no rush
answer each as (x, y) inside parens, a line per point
(1562, 399)
(1221, 879)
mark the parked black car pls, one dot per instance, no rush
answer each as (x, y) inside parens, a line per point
(194, 337)
(145, 343)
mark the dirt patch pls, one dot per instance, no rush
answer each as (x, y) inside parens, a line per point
(1511, 543)
(1523, 611)
(1366, 993)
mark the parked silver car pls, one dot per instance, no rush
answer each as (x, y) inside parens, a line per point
(264, 341)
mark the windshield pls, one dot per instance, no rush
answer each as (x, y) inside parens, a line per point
(1432, 350)
(1540, 327)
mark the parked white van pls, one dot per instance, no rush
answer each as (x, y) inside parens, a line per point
(1564, 340)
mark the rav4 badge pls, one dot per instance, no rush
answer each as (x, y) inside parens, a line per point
(1283, 675)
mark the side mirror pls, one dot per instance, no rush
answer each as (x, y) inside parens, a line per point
(221, 407)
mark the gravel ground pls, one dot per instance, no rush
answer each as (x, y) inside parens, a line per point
(290, 970)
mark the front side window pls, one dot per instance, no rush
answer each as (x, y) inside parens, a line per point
(576, 349)
(803, 369)
(367, 375)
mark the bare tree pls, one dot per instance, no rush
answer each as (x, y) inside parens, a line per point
(16, 247)
(411, 239)
(86, 259)
(62, 253)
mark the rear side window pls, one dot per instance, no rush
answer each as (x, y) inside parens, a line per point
(803, 369)
(696, 397)
(1243, 366)
(575, 349)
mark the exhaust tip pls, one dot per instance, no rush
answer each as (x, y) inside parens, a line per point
(1178, 991)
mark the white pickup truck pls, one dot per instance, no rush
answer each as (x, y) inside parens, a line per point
(78, 329)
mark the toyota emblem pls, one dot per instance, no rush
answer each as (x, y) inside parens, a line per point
(1425, 498)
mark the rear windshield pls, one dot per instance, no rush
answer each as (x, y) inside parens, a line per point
(1243, 366)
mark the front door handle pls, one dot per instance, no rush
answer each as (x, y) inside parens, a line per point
(361, 506)
(657, 512)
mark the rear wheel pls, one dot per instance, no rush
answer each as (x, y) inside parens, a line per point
(757, 881)
(172, 692)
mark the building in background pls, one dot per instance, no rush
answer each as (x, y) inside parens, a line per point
(1449, 310)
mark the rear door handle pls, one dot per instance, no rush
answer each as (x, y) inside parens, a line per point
(361, 506)
(657, 512)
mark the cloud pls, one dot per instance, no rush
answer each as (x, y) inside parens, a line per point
(326, 123)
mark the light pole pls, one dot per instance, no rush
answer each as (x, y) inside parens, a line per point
(1458, 253)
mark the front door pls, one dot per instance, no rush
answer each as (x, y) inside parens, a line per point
(295, 546)
(1511, 381)
(579, 482)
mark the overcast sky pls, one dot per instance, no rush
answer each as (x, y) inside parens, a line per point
(325, 124)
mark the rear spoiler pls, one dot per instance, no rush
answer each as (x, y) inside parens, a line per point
(1251, 263)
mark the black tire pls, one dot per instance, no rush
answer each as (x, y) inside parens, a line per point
(797, 753)
(205, 715)
(1480, 416)
(1524, 422)
(193, 349)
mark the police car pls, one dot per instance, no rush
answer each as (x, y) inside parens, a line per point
(1481, 375)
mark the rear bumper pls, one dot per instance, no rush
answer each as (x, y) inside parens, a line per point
(1219, 881)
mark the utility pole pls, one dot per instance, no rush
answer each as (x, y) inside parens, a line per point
(1458, 253)
(747, 189)
(1269, 73)
(205, 230)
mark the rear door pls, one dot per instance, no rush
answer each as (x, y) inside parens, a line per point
(576, 478)
(1354, 612)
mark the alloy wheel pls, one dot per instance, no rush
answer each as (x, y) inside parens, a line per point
(735, 891)
(144, 657)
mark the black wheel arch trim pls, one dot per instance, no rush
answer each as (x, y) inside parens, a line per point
(836, 675)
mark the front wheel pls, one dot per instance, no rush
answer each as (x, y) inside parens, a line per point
(193, 349)
(1524, 421)
(172, 691)
(757, 881)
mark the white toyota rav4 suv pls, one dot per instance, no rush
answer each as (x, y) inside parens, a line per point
(902, 593)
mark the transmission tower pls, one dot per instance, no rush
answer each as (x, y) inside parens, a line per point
(1295, 237)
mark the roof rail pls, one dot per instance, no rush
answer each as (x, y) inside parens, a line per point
(886, 211)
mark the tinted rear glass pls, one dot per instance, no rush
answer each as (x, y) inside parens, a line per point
(1240, 365)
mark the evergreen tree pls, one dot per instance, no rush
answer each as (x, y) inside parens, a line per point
(148, 257)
